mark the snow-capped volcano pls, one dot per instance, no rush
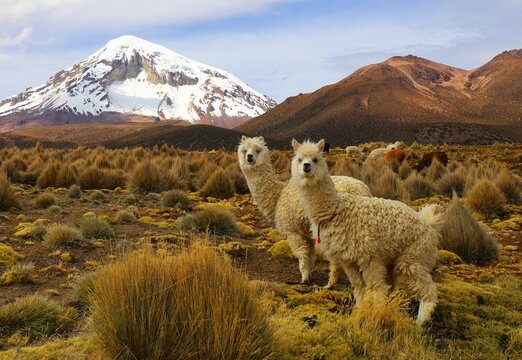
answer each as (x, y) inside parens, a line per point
(131, 77)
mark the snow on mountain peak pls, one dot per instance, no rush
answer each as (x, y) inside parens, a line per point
(130, 75)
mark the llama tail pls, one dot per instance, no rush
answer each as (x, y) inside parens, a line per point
(432, 215)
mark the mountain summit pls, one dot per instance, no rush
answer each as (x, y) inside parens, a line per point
(407, 98)
(129, 79)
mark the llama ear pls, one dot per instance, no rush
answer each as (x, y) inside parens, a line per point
(321, 145)
(261, 138)
(295, 144)
(243, 137)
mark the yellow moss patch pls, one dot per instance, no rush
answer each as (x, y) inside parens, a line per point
(220, 205)
(274, 234)
(515, 224)
(104, 217)
(448, 258)
(264, 244)
(163, 225)
(52, 292)
(66, 257)
(245, 229)
(247, 217)
(194, 197)
(78, 348)
(60, 190)
(99, 244)
(211, 199)
(23, 232)
(8, 256)
(281, 248)
(41, 222)
(233, 246)
(146, 220)
(89, 213)
(21, 217)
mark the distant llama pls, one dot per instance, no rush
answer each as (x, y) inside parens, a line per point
(369, 236)
(279, 202)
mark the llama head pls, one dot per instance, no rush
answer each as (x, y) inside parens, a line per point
(252, 151)
(308, 165)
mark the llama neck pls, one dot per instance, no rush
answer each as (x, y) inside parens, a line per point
(319, 199)
(265, 188)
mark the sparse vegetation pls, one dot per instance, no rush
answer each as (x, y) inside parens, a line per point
(222, 320)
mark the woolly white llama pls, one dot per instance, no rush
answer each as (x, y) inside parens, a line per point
(380, 152)
(352, 151)
(372, 238)
(279, 202)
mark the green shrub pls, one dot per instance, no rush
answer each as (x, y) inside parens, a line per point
(55, 209)
(215, 220)
(74, 192)
(464, 236)
(36, 317)
(486, 199)
(175, 198)
(60, 235)
(45, 200)
(130, 199)
(95, 228)
(7, 194)
(219, 185)
(195, 305)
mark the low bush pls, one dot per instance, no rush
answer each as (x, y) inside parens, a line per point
(147, 177)
(451, 182)
(509, 185)
(386, 186)
(125, 217)
(74, 192)
(195, 305)
(417, 187)
(95, 178)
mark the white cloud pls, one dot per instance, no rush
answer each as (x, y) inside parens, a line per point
(19, 39)
(104, 14)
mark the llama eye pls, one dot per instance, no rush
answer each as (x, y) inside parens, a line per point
(258, 151)
(314, 160)
(244, 151)
(300, 160)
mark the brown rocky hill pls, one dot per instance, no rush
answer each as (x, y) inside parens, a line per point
(407, 98)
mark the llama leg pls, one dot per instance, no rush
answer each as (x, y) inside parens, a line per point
(375, 274)
(303, 250)
(333, 278)
(357, 281)
(416, 280)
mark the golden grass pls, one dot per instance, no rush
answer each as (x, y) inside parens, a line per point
(485, 198)
(7, 195)
(61, 235)
(191, 306)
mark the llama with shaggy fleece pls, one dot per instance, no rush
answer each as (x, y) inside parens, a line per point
(377, 241)
(280, 204)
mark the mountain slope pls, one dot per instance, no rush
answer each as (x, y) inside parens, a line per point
(404, 98)
(133, 79)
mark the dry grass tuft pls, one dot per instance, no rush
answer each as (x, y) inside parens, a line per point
(45, 200)
(509, 185)
(195, 305)
(464, 236)
(386, 186)
(417, 187)
(18, 274)
(214, 219)
(220, 185)
(485, 198)
(35, 317)
(147, 177)
(175, 198)
(7, 195)
(452, 182)
(95, 228)
(95, 178)
(61, 235)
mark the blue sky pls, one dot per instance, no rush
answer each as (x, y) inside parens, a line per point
(279, 47)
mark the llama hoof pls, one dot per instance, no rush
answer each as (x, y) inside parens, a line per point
(305, 282)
